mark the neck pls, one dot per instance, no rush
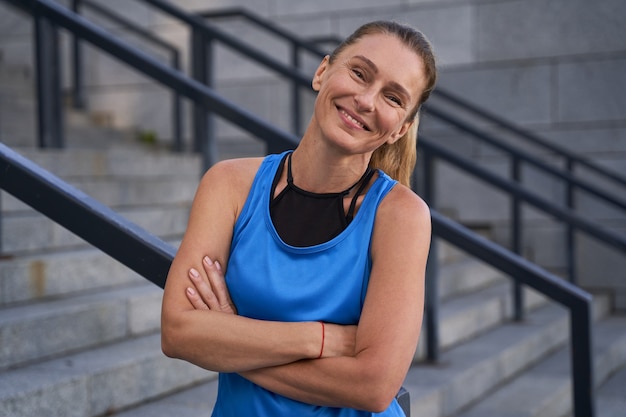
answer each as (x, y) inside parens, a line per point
(318, 168)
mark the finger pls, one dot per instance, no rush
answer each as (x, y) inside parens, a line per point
(195, 299)
(204, 290)
(218, 284)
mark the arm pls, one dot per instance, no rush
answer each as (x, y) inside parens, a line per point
(208, 337)
(389, 327)
(390, 323)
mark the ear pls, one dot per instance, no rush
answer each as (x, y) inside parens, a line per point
(317, 77)
(401, 132)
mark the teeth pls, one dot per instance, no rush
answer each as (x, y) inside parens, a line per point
(353, 120)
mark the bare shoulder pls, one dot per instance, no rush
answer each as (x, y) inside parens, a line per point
(405, 208)
(232, 172)
(402, 226)
(231, 179)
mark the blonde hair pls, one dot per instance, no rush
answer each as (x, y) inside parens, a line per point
(398, 159)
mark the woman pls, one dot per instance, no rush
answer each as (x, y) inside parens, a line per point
(301, 275)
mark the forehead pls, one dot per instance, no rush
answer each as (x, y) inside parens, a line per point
(394, 60)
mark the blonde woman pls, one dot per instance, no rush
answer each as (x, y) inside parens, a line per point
(301, 275)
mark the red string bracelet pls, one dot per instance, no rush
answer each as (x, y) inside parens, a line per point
(323, 337)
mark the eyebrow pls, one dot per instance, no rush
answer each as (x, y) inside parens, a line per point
(395, 85)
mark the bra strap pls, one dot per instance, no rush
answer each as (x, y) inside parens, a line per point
(366, 179)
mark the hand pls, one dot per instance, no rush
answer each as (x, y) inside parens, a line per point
(209, 291)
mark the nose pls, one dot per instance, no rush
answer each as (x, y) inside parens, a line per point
(365, 100)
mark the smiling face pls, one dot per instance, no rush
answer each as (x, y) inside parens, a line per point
(368, 93)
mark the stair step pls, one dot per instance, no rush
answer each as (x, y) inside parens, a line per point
(192, 402)
(239, 147)
(467, 316)
(463, 318)
(30, 231)
(114, 163)
(32, 278)
(611, 399)
(96, 138)
(468, 371)
(465, 275)
(545, 390)
(131, 192)
(96, 382)
(16, 80)
(48, 329)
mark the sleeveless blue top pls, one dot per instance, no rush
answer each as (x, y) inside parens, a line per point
(270, 280)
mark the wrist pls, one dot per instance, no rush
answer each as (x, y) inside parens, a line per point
(314, 337)
(323, 340)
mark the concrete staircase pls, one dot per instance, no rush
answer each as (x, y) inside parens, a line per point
(79, 333)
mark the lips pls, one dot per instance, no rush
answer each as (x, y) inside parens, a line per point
(354, 120)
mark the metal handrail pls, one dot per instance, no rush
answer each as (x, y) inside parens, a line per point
(195, 23)
(77, 76)
(265, 24)
(607, 236)
(525, 157)
(530, 136)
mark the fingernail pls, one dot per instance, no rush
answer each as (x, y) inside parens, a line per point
(208, 261)
(194, 273)
(190, 291)
(218, 266)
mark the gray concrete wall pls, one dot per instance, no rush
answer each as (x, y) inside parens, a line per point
(556, 67)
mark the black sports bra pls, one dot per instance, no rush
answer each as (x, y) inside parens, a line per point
(303, 218)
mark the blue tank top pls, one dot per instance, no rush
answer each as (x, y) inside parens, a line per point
(271, 280)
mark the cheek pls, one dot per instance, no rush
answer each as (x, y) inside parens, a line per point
(393, 121)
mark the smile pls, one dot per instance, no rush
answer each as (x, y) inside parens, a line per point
(352, 120)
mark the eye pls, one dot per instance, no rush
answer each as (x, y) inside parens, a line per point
(358, 73)
(395, 100)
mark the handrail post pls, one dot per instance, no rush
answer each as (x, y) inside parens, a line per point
(582, 360)
(78, 81)
(203, 120)
(177, 115)
(431, 302)
(1, 229)
(570, 243)
(516, 239)
(295, 93)
(48, 67)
